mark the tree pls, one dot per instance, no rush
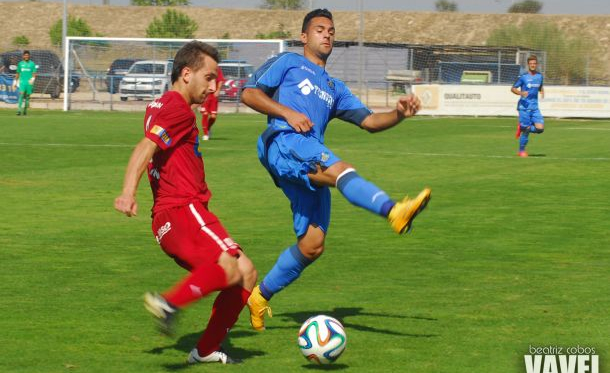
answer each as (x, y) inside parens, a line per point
(527, 6)
(283, 4)
(280, 33)
(446, 6)
(21, 41)
(173, 24)
(160, 2)
(566, 56)
(76, 27)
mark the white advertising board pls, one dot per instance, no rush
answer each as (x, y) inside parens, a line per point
(474, 100)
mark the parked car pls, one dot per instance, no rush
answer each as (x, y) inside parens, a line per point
(146, 79)
(236, 73)
(50, 71)
(117, 70)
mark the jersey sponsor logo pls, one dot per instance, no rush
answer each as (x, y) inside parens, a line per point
(162, 231)
(154, 173)
(303, 67)
(307, 87)
(160, 131)
(155, 105)
(530, 85)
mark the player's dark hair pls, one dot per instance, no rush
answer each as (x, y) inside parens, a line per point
(532, 58)
(190, 56)
(313, 14)
(26, 52)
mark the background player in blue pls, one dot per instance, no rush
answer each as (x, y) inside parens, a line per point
(300, 98)
(527, 87)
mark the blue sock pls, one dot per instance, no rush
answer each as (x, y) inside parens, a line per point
(523, 139)
(363, 193)
(288, 268)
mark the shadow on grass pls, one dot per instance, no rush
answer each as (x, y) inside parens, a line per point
(187, 342)
(343, 313)
(537, 155)
(325, 367)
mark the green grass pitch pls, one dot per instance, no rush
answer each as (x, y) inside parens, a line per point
(510, 253)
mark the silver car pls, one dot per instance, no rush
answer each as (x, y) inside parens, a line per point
(146, 79)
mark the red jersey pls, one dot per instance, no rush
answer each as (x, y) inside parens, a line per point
(176, 171)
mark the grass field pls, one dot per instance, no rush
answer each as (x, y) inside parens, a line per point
(510, 253)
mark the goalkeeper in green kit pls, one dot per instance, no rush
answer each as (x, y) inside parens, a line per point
(24, 80)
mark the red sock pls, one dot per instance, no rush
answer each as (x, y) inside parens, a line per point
(205, 124)
(518, 130)
(225, 312)
(211, 122)
(202, 281)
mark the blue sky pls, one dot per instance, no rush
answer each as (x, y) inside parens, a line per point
(581, 7)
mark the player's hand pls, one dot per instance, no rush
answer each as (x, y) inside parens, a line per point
(524, 94)
(299, 121)
(15, 84)
(31, 81)
(408, 106)
(126, 204)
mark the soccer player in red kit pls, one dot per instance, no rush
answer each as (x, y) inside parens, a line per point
(209, 108)
(182, 224)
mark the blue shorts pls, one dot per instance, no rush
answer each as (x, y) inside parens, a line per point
(289, 157)
(529, 117)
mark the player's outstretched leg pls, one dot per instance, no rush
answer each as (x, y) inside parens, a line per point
(402, 214)
(164, 312)
(367, 195)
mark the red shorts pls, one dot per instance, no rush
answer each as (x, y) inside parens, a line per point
(210, 105)
(192, 235)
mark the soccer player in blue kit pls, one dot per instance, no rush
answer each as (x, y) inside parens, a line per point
(300, 98)
(527, 88)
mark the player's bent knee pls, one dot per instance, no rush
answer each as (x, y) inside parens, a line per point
(313, 252)
(231, 268)
(248, 272)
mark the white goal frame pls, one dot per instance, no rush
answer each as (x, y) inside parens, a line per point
(70, 39)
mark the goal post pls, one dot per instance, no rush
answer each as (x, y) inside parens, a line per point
(100, 63)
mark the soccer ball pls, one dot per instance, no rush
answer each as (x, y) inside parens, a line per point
(322, 339)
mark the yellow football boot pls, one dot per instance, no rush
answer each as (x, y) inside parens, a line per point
(402, 214)
(258, 305)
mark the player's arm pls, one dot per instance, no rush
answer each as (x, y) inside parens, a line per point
(259, 101)
(406, 106)
(141, 155)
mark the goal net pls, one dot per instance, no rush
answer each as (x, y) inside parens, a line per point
(127, 73)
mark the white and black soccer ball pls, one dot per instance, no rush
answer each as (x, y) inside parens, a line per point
(322, 339)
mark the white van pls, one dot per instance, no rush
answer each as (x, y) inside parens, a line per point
(146, 79)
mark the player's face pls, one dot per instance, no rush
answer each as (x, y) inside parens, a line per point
(533, 64)
(202, 82)
(26, 57)
(319, 37)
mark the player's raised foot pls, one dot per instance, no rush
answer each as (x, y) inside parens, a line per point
(522, 154)
(402, 214)
(164, 312)
(258, 305)
(19, 113)
(219, 356)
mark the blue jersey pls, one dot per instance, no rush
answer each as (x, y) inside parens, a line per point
(295, 82)
(532, 84)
